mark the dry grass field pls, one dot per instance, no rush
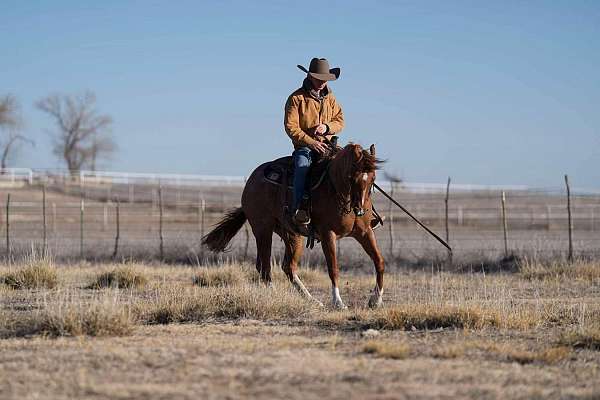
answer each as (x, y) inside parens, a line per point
(139, 331)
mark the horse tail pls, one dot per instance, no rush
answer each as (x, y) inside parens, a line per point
(218, 239)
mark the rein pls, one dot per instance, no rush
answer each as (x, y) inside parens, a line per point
(439, 239)
(344, 202)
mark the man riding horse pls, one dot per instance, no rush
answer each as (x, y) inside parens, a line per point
(312, 117)
(341, 201)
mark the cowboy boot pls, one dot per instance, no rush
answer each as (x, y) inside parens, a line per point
(302, 216)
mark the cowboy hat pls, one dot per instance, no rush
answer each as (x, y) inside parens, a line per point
(319, 69)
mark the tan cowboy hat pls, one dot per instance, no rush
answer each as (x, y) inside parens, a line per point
(319, 69)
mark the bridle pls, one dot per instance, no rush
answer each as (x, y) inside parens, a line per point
(345, 205)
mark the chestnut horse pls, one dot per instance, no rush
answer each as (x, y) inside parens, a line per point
(341, 206)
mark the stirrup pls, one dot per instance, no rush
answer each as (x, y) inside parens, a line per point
(301, 217)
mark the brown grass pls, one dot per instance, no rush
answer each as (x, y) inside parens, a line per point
(512, 353)
(273, 339)
(434, 316)
(126, 276)
(583, 338)
(451, 351)
(97, 319)
(584, 271)
(387, 349)
(181, 304)
(36, 274)
(222, 276)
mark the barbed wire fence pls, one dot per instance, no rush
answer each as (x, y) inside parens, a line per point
(101, 215)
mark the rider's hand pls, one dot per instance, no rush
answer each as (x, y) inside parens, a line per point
(320, 129)
(319, 147)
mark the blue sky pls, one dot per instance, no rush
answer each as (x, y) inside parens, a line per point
(486, 92)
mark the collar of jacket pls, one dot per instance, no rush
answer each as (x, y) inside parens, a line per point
(317, 95)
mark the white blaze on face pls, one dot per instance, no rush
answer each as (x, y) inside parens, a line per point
(365, 177)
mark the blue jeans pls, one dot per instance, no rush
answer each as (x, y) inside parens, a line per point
(302, 159)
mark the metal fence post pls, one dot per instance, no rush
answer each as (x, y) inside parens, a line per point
(504, 224)
(81, 215)
(201, 211)
(446, 203)
(247, 237)
(8, 225)
(160, 222)
(446, 218)
(118, 233)
(104, 217)
(45, 242)
(391, 221)
(570, 255)
(54, 218)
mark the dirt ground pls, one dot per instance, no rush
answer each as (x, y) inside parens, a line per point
(252, 359)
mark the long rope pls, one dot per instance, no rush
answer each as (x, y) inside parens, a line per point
(439, 239)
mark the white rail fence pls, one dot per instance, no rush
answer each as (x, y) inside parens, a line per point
(30, 176)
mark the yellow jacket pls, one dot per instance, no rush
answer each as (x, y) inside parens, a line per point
(303, 113)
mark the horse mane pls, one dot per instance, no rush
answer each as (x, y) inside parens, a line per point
(347, 162)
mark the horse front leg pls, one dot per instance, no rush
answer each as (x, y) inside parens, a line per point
(369, 244)
(328, 244)
(293, 252)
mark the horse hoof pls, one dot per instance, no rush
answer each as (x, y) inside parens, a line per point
(375, 302)
(340, 306)
(319, 303)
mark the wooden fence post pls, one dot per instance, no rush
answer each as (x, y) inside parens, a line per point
(391, 221)
(104, 217)
(118, 235)
(201, 211)
(247, 234)
(160, 222)
(81, 215)
(8, 226)
(570, 256)
(54, 218)
(446, 219)
(446, 204)
(504, 224)
(45, 242)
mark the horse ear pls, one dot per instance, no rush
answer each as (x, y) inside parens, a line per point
(358, 155)
(372, 150)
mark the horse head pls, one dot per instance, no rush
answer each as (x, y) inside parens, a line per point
(353, 175)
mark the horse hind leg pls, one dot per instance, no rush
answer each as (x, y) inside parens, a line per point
(258, 269)
(263, 253)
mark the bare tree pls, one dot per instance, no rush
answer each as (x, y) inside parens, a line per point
(10, 125)
(9, 112)
(83, 137)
